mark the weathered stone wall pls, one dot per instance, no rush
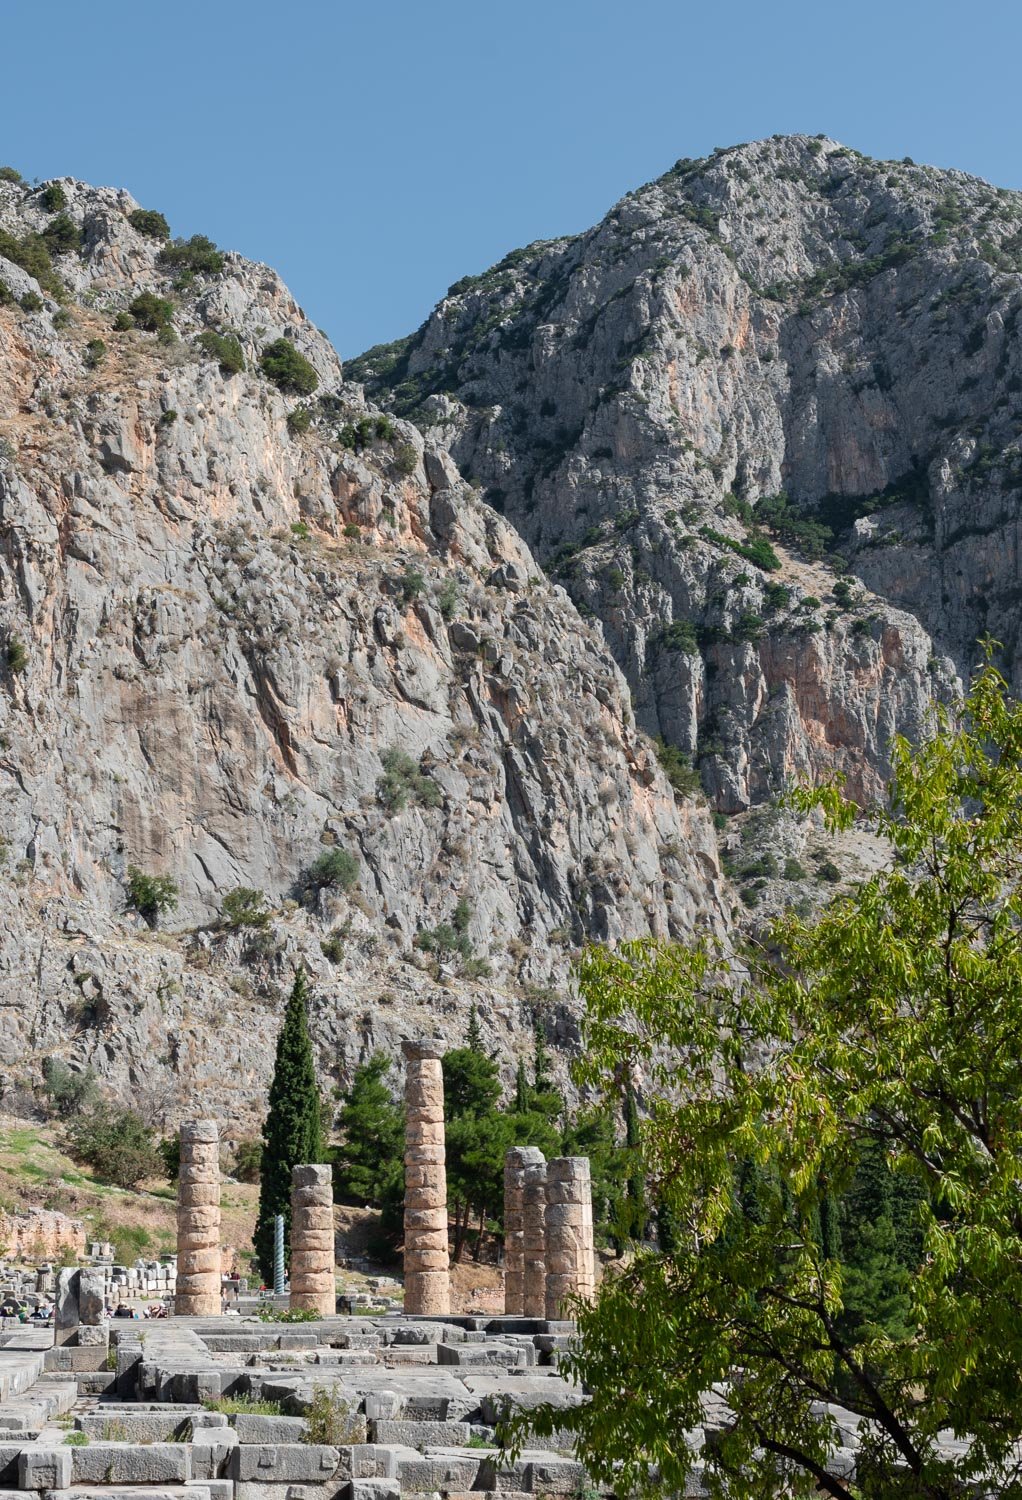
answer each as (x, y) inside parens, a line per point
(313, 1283)
(198, 1221)
(40, 1234)
(427, 1260)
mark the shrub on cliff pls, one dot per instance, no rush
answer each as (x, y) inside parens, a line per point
(151, 895)
(116, 1143)
(148, 222)
(289, 370)
(198, 255)
(53, 198)
(334, 869)
(224, 348)
(151, 312)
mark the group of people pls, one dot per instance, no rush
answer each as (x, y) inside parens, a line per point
(9, 1308)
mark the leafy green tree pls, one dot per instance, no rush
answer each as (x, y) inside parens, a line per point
(151, 312)
(244, 907)
(152, 896)
(225, 348)
(290, 371)
(879, 1040)
(149, 221)
(292, 1132)
(116, 1143)
(369, 1162)
(70, 1092)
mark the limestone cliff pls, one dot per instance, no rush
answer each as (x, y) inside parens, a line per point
(764, 422)
(241, 629)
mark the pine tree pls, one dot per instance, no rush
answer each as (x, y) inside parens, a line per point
(542, 1078)
(369, 1162)
(474, 1035)
(292, 1131)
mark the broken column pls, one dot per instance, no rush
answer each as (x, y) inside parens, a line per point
(515, 1163)
(570, 1260)
(313, 1285)
(427, 1264)
(197, 1293)
(534, 1236)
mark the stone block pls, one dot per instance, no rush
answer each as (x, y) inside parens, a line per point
(44, 1469)
(283, 1463)
(211, 1450)
(366, 1461)
(443, 1469)
(256, 1429)
(131, 1463)
(502, 1355)
(421, 1434)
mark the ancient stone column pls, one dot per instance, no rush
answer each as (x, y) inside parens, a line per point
(570, 1260)
(427, 1264)
(515, 1163)
(312, 1240)
(197, 1292)
(534, 1236)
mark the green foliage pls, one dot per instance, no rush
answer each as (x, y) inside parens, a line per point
(69, 1092)
(299, 420)
(17, 655)
(123, 322)
(680, 772)
(289, 370)
(403, 781)
(793, 869)
(233, 1406)
(368, 1165)
(247, 1162)
(53, 198)
(151, 312)
(95, 353)
(405, 459)
(412, 584)
(150, 222)
(811, 538)
(244, 907)
(288, 1315)
(31, 302)
(292, 1132)
(359, 434)
(447, 599)
(151, 895)
(116, 1143)
(839, 1135)
(10, 174)
(444, 940)
(62, 235)
(755, 549)
(225, 348)
(75, 1439)
(198, 255)
(32, 254)
(334, 869)
(331, 1418)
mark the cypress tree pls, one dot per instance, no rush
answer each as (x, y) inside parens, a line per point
(292, 1131)
(474, 1035)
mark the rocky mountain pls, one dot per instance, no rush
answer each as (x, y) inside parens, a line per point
(763, 421)
(258, 636)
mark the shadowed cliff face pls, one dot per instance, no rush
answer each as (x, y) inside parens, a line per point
(785, 317)
(232, 647)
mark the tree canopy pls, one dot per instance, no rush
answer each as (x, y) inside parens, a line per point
(833, 1133)
(292, 1131)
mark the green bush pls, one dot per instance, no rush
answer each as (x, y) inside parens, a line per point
(755, 549)
(31, 302)
(53, 198)
(793, 869)
(244, 907)
(412, 584)
(334, 869)
(6, 295)
(680, 772)
(76, 1440)
(95, 353)
(447, 599)
(828, 870)
(10, 174)
(402, 780)
(116, 1143)
(331, 1418)
(444, 941)
(289, 370)
(225, 348)
(32, 255)
(149, 222)
(288, 1315)
(166, 334)
(17, 656)
(406, 459)
(247, 1161)
(151, 895)
(197, 254)
(62, 235)
(123, 321)
(299, 419)
(151, 312)
(69, 1092)
(168, 417)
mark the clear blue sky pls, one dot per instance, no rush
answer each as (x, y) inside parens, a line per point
(374, 153)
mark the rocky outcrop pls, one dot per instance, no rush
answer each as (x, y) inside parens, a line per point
(41, 1234)
(261, 642)
(784, 343)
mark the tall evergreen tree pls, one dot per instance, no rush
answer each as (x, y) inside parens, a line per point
(292, 1131)
(474, 1034)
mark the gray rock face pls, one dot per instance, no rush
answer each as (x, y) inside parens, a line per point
(233, 648)
(782, 316)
